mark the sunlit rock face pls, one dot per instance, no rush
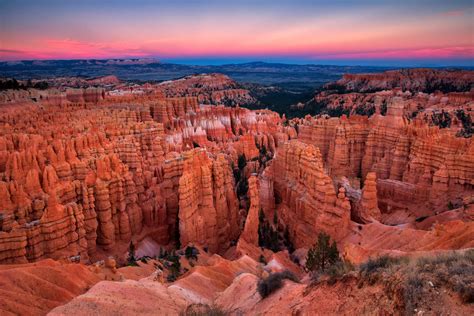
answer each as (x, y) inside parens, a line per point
(88, 174)
(82, 174)
(84, 171)
(310, 202)
(208, 89)
(415, 80)
(208, 206)
(413, 161)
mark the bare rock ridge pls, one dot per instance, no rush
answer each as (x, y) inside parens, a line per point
(438, 97)
(418, 80)
(209, 89)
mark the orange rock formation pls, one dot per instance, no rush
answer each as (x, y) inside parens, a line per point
(84, 172)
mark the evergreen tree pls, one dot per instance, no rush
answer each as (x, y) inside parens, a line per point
(191, 253)
(263, 150)
(286, 239)
(267, 236)
(242, 162)
(175, 268)
(322, 255)
(131, 260)
(242, 187)
(176, 234)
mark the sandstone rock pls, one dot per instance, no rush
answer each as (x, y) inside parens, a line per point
(309, 203)
(408, 79)
(250, 232)
(369, 210)
(207, 202)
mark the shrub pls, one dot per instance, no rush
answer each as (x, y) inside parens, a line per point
(412, 293)
(191, 252)
(451, 206)
(202, 310)
(322, 255)
(441, 119)
(383, 108)
(274, 282)
(163, 253)
(455, 269)
(338, 111)
(465, 291)
(10, 84)
(380, 263)
(267, 236)
(263, 149)
(131, 260)
(41, 85)
(177, 236)
(338, 270)
(242, 187)
(365, 110)
(467, 125)
(175, 267)
(287, 241)
(171, 277)
(241, 162)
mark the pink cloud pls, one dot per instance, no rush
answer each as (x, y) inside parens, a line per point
(301, 45)
(420, 53)
(453, 13)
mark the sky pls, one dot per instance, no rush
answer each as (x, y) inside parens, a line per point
(431, 33)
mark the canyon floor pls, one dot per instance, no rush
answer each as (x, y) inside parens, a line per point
(180, 198)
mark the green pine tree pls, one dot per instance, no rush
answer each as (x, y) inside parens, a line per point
(242, 162)
(322, 255)
(131, 260)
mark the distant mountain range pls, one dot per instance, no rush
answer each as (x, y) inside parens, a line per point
(291, 77)
(288, 75)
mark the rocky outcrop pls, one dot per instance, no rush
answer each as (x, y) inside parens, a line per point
(250, 232)
(82, 177)
(208, 207)
(309, 202)
(209, 89)
(369, 210)
(36, 288)
(404, 154)
(102, 189)
(415, 80)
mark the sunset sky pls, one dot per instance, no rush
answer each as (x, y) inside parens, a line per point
(343, 32)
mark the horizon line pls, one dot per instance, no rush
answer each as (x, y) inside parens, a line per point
(223, 61)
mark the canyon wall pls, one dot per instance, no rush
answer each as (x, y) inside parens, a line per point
(308, 201)
(419, 167)
(81, 178)
(417, 80)
(208, 206)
